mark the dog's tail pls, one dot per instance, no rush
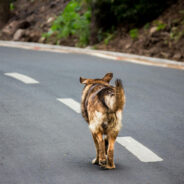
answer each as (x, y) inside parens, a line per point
(119, 95)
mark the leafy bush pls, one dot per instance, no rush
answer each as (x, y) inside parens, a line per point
(72, 22)
(108, 38)
(134, 33)
(147, 26)
(135, 13)
(160, 25)
(12, 7)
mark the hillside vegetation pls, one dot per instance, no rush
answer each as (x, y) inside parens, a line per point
(144, 27)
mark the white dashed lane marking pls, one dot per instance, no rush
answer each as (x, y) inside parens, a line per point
(143, 153)
(75, 106)
(139, 150)
(23, 78)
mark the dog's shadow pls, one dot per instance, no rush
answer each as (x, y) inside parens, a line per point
(85, 163)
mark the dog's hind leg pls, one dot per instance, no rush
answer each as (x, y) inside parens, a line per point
(96, 160)
(110, 152)
(106, 144)
(101, 148)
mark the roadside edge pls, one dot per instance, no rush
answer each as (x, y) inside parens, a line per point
(144, 60)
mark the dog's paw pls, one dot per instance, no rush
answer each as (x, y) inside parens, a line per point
(108, 167)
(102, 163)
(95, 161)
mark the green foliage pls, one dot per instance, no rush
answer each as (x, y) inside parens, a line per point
(135, 13)
(12, 7)
(147, 26)
(176, 34)
(134, 33)
(72, 22)
(160, 25)
(109, 37)
(181, 12)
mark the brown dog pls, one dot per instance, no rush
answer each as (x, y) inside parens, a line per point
(102, 106)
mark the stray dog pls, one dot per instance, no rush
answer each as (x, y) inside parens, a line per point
(102, 106)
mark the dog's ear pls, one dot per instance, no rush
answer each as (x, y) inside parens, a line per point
(108, 77)
(83, 80)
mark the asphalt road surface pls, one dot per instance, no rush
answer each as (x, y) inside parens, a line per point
(44, 141)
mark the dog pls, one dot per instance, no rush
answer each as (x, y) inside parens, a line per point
(102, 106)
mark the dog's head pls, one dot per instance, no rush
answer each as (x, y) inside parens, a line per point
(105, 80)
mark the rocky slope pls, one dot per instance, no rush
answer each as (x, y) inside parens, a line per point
(164, 37)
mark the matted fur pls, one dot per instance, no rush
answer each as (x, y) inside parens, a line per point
(102, 106)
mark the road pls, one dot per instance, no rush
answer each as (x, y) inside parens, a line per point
(44, 141)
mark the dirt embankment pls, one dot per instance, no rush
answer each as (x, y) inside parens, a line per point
(30, 19)
(163, 37)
